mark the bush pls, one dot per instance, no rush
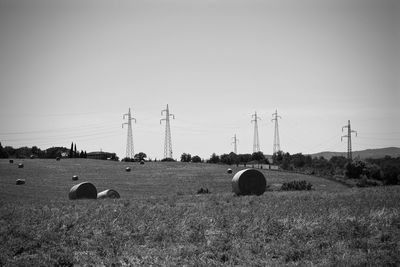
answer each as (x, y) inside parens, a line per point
(354, 169)
(391, 175)
(296, 186)
(168, 160)
(365, 182)
(196, 159)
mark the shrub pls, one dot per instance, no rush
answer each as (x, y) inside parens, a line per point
(296, 186)
(354, 169)
(168, 160)
(196, 159)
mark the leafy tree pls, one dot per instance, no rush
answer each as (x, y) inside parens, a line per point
(3, 152)
(186, 157)
(23, 152)
(277, 157)
(258, 156)
(244, 158)
(298, 160)
(10, 151)
(354, 169)
(140, 156)
(35, 150)
(226, 159)
(338, 161)
(196, 159)
(214, 158)
(55, 152)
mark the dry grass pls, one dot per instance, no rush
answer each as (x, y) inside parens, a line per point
(159, 219)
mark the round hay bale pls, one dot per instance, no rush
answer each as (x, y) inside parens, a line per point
(83, 190)
(11, 161)
(109, 193)
(128, 169)
(75, 178)
(21, 165)
(142, 162)
(249, 182)
(58, 158)
(229, 170)
(20, 181)
(32, 156)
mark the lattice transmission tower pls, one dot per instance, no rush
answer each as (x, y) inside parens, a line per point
(235, 141)
(348, 136)
(256, 141)
(277, 146)
(129, 143)
(167, 141)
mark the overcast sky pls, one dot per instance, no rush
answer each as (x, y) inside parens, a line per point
(70, 69)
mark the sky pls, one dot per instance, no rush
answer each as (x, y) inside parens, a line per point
(69, 70)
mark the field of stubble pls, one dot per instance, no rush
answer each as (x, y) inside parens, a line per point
(160, 220)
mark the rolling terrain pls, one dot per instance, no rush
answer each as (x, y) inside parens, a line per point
(160, 220)
(363, 154)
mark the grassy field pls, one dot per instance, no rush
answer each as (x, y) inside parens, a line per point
(160, 220)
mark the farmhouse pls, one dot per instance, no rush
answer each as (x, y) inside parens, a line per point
(101, 155)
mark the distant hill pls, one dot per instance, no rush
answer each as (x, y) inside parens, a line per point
(363, 154)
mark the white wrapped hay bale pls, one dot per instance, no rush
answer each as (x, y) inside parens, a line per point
(249, 182)
(109, 193)
(229, 170)
(75, 178)
(83, 190)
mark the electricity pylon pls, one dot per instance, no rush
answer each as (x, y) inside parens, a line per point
(167, 141)
(348, 136)
(129, 143)
(277, 146)
(256, 141)
(235, 141)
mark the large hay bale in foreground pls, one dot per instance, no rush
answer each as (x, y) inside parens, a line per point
(21, 165)
(20, 181)
(249, 182)
(83, 190)
(109, 193)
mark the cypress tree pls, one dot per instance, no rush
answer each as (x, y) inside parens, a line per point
(75, 153)
(71, 150)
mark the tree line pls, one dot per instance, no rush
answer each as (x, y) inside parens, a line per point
(34, 151)
(385, 170)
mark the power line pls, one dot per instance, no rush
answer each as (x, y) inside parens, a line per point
(348, 136)
(277, 146)
(256, 141)
(129, 143)
(167, 141)
(235, 141)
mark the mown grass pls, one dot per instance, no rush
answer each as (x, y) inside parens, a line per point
(157, 223)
